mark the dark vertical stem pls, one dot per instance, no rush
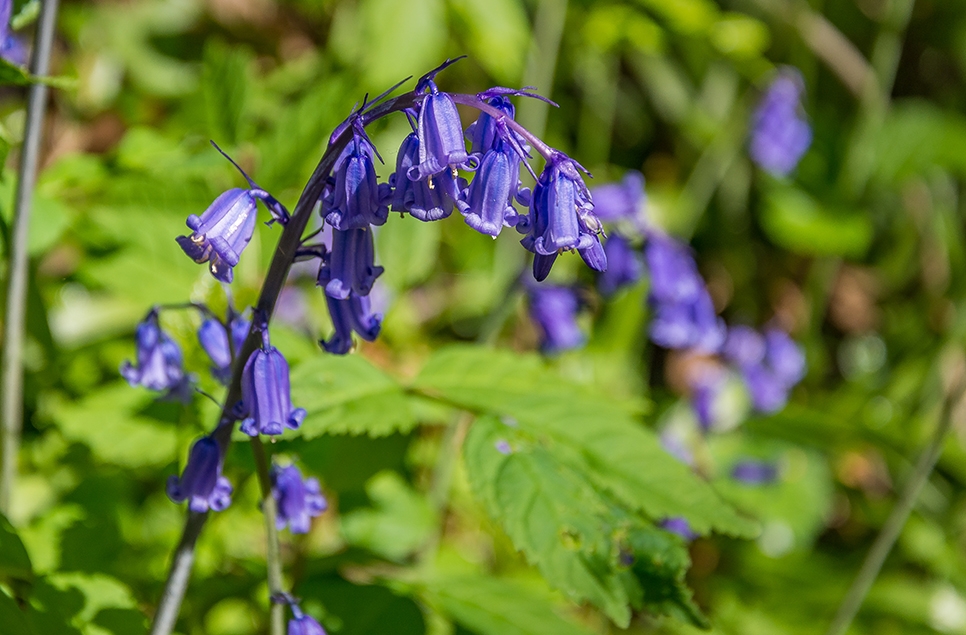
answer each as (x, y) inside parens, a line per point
(177, 583)
(13, 336)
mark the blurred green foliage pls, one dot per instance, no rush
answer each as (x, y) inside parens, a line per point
(859, 255)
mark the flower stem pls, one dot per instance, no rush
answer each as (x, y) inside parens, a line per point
(177, 582)
(273, 552)
(896, 521)
(288, 245)
(13, 336)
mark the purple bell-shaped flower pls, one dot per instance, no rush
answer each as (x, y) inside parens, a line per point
(428, 199)
(223, 231)
(554, 309)
(780, 135)
(12, 47)
(356, 200)
(352, 314)
(350, 267)
(266, 394)
(562, 216)
(615, 202)
(159, 363)
(213, 338)
(302, 624)
(439, 129)
(624, 266)
(299, 500)
(201, 483)
(754, 472)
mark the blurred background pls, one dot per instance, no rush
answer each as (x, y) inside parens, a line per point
(855, 253)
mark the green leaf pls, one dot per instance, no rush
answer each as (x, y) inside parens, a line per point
(401, 521)
(14, 561)
(581, 539)
(11, 74)
(110, 423)
(740, 36)
(794, 220)
(598, 432)
(347, 394)
(12, 618)
(492, 606)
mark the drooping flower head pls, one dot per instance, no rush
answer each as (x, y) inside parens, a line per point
(223, 231)
(554, 309)
(159, 363)
(12, 47)
(354, 199)
(624, 265)
(562, 216)
(440, 132)
(780, 135)
(350, 267)
(684, 315)
(299, 500)
(487, 204)
(352, 314)
(624, 201)
(302, 624)
(214, 339)
(266, 394)
(426, 199)
(202, 483)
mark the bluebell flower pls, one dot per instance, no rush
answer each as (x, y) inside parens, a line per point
(351, 314)
(616, 202)
(487, 204)
(706, 384)
(624, 265)
(744, 347)
(440, 131)
(12, 47)
(691, 324)
(224, 229)
(562, 216)
(202, 483)
(299, 500)
(784, 356)
(680, 527)
(266, 394)
(302, 624)
(780, 135)
(754, 472)
(483, 133)
(554, 309)
(350, 267)
(427, 199)
(684, 315)
(214, 340)
(354, 199)
(159, 363)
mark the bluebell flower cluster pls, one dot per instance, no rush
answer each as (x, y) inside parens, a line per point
(159, 364)
(299, 499)
(780, 134)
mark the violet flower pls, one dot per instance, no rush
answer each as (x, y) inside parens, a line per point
(440, 132)
(554, 309)
(754, 472)
(770, 364)
(350, 267)
(615, 202)
(354, 199)
(744, 347)
(202, 483)
(302, 624)
(624, 265)
(266, 394)
(351, 314)
(223, 231)
(299, 500)
(159, 363)
(562, 216)
(780, 135)
(706, 385)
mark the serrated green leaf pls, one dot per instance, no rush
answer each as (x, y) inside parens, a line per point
(400, 522)
(14, 561)
(491, 606)
(618, 453)
(347, 394)
(580, 538)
